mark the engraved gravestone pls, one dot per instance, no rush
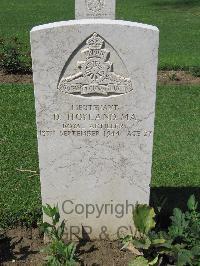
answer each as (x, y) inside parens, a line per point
(95, 9)
(95, 104)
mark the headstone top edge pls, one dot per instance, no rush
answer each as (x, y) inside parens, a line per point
(92, 22)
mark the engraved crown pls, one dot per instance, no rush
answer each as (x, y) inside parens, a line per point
(95, 42)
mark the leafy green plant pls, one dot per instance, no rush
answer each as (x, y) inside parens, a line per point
(143, 217)
(13, 59)
(185, 230)
(59, 253)
(144, 239)
(179, 245)
(141, 261)
(195, 71)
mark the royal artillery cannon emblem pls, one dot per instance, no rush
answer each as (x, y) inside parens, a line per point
(96, 76)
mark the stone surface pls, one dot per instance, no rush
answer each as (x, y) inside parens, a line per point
(95, 105)
(95, 9)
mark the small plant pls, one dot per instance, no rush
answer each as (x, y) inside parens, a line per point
(144, 239)
(179, 245)
(59, 253)
(12, 58)
(141, 261)
(195, 71)
(173, 77)
(185, 231)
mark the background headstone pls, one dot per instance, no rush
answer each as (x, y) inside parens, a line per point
(95, 105)
(95, 9)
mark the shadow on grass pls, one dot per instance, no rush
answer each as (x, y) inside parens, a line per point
(171, 197)
(178, 4)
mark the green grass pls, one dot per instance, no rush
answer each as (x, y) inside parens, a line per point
(19, 191)
(176, 147)
(177, 137)
(178, 21)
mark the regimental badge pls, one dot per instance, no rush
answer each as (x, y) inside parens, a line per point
(96, 76)
(95, 5)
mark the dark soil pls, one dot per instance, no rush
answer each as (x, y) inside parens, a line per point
(104, 253)
(21, 246)
(164, 77)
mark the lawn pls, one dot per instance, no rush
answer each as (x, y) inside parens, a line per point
(19, 191)
(177, 137)
(176, 147)
(178, 21)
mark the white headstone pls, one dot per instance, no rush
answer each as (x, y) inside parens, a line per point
(95, 9)
(95, 91)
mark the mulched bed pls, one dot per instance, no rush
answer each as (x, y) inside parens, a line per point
(177, 78)
(164, 77)
(21, 246)
(13, 78)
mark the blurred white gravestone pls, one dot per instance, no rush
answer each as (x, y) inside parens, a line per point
(95, 105)
(95, 9)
